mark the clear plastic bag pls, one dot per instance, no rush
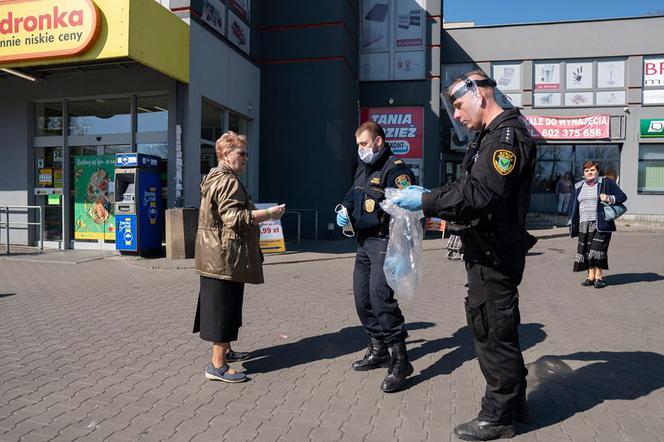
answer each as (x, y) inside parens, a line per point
(403, 260)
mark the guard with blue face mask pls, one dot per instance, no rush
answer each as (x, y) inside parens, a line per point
(376, 307)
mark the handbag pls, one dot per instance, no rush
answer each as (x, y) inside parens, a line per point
(612, 211)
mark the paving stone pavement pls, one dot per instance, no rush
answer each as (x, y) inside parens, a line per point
(103, 350)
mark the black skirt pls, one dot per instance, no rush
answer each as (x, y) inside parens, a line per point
(592, 249)
(219, 310)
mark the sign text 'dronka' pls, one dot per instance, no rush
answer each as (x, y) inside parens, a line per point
(36, 29)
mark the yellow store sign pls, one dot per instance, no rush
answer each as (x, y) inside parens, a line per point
(37, 33)
(47, 28)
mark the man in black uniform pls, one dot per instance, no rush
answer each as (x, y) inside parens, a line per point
(374, 299)
(491, 203)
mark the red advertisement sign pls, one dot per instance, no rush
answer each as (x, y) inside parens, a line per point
(403, 127)
(587, 127)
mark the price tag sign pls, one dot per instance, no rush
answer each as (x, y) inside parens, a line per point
(272, 234)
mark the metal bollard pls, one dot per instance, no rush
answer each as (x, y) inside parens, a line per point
(7, 228)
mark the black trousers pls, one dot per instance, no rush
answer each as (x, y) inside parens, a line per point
(492, 311)
(374, 300)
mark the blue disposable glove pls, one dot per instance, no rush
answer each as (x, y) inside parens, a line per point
(410, 198)
(342, 220)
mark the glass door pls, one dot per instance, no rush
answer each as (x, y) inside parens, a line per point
(48, 189)
(93, 193)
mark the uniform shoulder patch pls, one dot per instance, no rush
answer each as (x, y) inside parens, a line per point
(504, 161)
(398, 161)
(402, 181)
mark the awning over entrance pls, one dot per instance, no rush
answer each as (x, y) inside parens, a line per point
(37, 33)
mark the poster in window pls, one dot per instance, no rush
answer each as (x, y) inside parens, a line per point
(213, 13)
(238, 32)
(546, 99)
(93, 197)
(610, 98)
(507, 76)
(454, 71)
(653, 72)
(653, 96)
(610, 74)
(375, 21)
(410, 21)
(241, 7)
(578, 99)
(375, 66)
(547, 76)
(409, 65)
(508, 101)
(579, 75)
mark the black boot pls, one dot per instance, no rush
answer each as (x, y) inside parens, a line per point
(400, 368)
(376, 356)
(521, 411)
(483, 430)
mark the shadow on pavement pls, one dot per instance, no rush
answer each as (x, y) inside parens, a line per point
(4, 295)
(529, 335)
(630, 278)
(558, 391)
(326, 346)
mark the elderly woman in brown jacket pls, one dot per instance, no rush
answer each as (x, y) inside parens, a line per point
(227, 254)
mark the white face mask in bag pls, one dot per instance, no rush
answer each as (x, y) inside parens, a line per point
(347, 230)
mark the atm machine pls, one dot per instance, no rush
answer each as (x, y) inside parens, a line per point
(138, 220)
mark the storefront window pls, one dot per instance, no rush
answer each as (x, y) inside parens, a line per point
(101, 116)
(651, 168)
(237, 124)
(48, 119)
(212, 127)
(212, 121)
(152, 114)
(555, 160)
(48, 189)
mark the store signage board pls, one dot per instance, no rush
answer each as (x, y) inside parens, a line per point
(37, 29)
(653, 72)
(403, 127)
(586, 127)
(652, 128)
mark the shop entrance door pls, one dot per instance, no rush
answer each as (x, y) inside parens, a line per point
(93, 194)
(48, 192)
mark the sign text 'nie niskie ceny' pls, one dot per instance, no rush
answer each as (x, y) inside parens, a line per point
(36, 29)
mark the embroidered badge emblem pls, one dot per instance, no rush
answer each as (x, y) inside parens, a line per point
(402, 181)
(369, 205)
(504, 161)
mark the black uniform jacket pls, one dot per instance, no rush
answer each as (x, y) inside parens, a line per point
(368, 190)
(493, 198)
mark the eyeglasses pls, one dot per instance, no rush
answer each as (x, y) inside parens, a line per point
(242, 153)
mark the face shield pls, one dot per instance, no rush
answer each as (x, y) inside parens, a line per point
(469, 97)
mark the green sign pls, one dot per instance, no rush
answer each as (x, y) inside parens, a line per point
(54, 200)
(94, 177)
(652, 128)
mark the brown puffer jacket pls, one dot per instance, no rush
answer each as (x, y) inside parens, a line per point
(227, 244)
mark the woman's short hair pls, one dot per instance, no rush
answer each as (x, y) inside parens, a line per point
(590, 163)
(228, 142)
